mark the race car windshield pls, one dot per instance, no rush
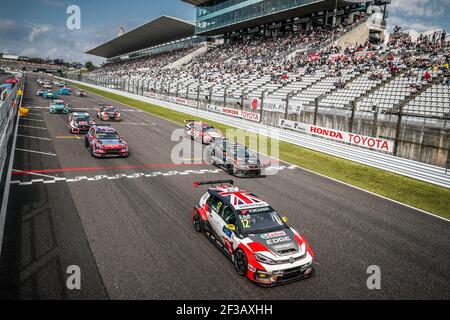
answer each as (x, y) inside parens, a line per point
(242, 153)
(260, 220)
(107, 136)
(109, 110)
(85, 119)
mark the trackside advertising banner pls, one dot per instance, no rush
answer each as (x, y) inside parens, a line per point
(350, 138)
(235, 113)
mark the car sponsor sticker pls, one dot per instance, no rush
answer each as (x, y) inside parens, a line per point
(273, 235)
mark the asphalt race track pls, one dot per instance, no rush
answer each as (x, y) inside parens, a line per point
(129, 227)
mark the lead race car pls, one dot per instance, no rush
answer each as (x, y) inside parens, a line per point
(202, 132)
(252, 235)
(105, 141)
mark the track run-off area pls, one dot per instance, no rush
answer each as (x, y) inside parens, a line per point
(126, 223)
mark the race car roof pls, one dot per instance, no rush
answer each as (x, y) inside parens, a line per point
(162, 30)
(238, 199)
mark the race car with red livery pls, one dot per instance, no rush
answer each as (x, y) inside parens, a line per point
(107, 113)
(81, 93)
(79, 122)
(202, 132)
(252, 235)
(104, 141)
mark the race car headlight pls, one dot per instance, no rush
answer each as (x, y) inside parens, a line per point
(263, 259)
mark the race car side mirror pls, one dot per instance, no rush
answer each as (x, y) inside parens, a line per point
(285, 220)
(231, 227)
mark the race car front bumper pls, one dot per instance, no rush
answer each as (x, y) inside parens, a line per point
(283, 274)
(111, 153)
(244, 172)
(79, 130)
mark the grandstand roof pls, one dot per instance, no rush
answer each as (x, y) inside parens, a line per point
(196, 2)
(296, 11)
(156, 32)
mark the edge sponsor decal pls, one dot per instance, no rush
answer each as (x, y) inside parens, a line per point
(271, 235)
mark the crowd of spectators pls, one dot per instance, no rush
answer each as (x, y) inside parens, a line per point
(290, 53)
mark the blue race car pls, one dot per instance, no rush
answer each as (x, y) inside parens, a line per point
(50, 94)
(65, 92)
(58, 106)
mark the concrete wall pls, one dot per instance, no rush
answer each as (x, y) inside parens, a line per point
(188, 58)
(358, 35)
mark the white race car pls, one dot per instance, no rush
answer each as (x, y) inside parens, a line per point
(252, 235)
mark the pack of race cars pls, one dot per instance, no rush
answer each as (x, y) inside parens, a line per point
(245, 228)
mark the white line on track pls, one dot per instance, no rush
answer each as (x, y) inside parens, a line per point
(40, 175)
(31, 127)
(38, 152)
(29, 119)
(33, 137)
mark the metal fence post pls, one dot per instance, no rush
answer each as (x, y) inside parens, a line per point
(198, 95)
(376, 110)
(178, 89)
(352, 117)
(286, 111)
(187, 90)
(316, 110)
(398, 129)
(225, 96)
(242, 99)
(262, 105)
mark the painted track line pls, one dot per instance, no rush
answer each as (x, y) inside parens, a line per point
(31, 127)
(38, 152)
(33, 137)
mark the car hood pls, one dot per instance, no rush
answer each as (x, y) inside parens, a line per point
(111, 143)
(280, 243)
(250, 161)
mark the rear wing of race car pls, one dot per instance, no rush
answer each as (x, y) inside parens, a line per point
(216, 182)
(189, 121)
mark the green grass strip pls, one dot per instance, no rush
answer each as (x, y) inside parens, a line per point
(409, 191)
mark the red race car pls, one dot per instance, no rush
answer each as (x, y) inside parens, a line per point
(202, 132)
(252, 235)
(104, 141)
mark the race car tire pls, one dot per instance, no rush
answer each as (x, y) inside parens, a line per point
(230, 169)
(197, 222)
(240, 262)
(86, 142)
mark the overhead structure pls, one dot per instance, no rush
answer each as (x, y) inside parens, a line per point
(215, 17)
(157, 32)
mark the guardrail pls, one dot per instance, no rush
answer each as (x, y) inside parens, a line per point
(409, 168)
(9, 121)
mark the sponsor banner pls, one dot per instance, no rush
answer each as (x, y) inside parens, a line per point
(276, 106)
(293, 125)
(350, 138)
(354, 139)
(247, 115)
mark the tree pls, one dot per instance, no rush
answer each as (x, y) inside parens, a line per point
(90, 66)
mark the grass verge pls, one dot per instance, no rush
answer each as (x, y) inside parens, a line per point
(409, 191)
